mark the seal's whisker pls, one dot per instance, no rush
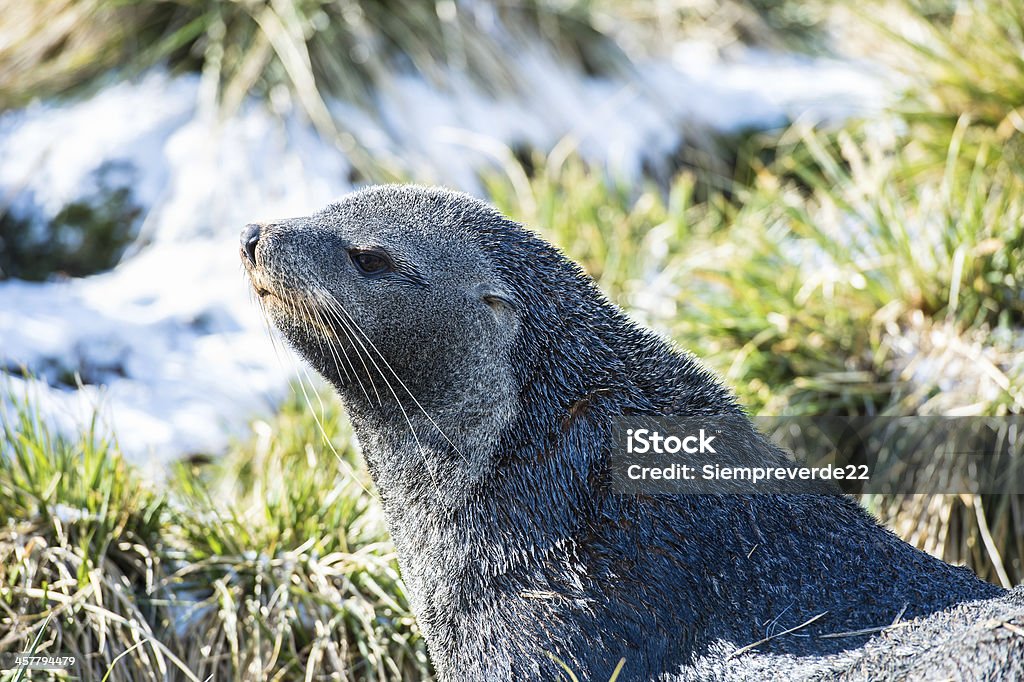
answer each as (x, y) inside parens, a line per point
(339, 362)
(352, 334)
(300, 372)
(355, 345)
(331, 331)
(340, 359)
(419, 406)
(274, 340)
(266, 318)
(317, 322)
(334, 303)
(358, 345)
(316, 319)
(349, 471)
(412, 430)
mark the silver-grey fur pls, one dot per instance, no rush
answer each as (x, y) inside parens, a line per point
(482, 371)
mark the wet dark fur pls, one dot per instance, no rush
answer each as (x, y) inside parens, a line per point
(512, 546)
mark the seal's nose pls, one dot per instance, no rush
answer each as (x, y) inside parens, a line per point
(250, 237)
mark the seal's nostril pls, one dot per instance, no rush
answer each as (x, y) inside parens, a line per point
(251, 237)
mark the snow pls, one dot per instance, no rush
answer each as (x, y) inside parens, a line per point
(48, 152)
(172, 336)
(168, 345)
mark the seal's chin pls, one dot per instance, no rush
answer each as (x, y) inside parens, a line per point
(261, 291)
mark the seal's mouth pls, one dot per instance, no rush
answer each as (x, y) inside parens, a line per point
(251, 269)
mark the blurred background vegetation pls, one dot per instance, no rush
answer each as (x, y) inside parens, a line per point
(874, 268)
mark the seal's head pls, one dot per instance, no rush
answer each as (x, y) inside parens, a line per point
(398, 297)
(390, 274)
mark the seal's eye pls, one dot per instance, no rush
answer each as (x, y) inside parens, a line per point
(371, 262)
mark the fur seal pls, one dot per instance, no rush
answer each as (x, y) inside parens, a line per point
(482, 371)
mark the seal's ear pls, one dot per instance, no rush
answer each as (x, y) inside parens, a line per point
(495, 296)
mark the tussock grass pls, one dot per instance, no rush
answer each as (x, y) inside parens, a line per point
(79, 554)
(622, 237)
(821, 282)
(301, 54)
(316, 46)
(49, 47)
(295, 53)
(963, 63)
(773, 24)
(290, 563)
(273, 563)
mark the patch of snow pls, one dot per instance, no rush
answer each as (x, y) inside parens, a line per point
(51, 151)
(761, 88)
(174, 355)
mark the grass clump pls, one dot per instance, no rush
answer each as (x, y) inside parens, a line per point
(296, 54)
(772, 24)
(273, 563)
(310, 48)
(631, 242)
(80, 566)
(304, 54)
(820, 282)
(290, 566)
(315, 47)
(960, 64)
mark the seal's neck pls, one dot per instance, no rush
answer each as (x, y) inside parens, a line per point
(519, 468)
